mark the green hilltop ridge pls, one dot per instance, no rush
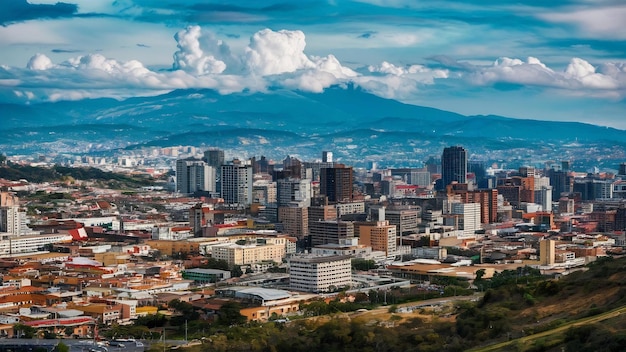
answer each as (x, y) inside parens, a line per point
(38, 174)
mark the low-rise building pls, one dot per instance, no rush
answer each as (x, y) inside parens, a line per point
(251, 252)
(203, 276)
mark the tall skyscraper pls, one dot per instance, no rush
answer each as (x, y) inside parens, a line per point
(12, 218)
(327, 157)
(236, 185)
(453, 165)
(293, 190)
(193, 175)
(214, 157)
(477, 167)
(336, 183)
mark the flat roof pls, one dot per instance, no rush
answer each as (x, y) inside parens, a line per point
(266, 294)
(205, 271)
(319, 259)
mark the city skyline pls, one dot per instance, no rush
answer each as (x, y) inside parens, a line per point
(560, 62)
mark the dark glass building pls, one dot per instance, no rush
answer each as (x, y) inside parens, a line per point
(453, 166)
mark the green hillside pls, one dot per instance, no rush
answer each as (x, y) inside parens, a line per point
(520, 311)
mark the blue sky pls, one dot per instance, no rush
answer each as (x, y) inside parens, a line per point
(554, 60)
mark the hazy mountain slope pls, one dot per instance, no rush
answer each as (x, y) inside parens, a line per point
(354, 123)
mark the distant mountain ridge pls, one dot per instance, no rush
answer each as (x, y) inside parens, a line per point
(350, 120)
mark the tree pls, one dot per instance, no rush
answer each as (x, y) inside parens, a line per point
(69, 330)
(229, 314)
(362, 264)
(236, 271)
(49, 335)
(61, 347)
(479, 274)
(213, 263)
(24, 331)
(150, 320)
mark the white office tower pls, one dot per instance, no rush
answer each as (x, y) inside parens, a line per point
(12, 218)
(543, 193)
(237, 183)
(193, 175)
(464, 217)
(320, 273)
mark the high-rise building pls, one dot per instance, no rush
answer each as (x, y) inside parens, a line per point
(380, 235)
(262, 165)
(320, 273)
(193, 175)
(203, 215)
(336, 183)
(315, 168)
(488, 200)
(236, 186)
(264, 192)
(405, 220)
(453, 166)
(324, 232)
(561, 182)
(327, 157)
(592, 189)
(12, 218)
(214, 157)
(433, 165)
(295, 220)
(464, 217)
(292, 167)
(322, 213)
(293, 190)
(413, 176)
(547, 252)
(477, 167)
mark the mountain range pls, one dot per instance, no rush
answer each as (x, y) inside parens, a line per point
(356, 125)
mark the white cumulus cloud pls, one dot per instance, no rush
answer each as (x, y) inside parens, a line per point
(399, 82)
(197, 52)
(272, 52)
(278, 59)
(39, 62)
(580, 77)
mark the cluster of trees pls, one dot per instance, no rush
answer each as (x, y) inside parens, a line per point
(336, 334)
(220, 264)
(320, 307)
(361, 264)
